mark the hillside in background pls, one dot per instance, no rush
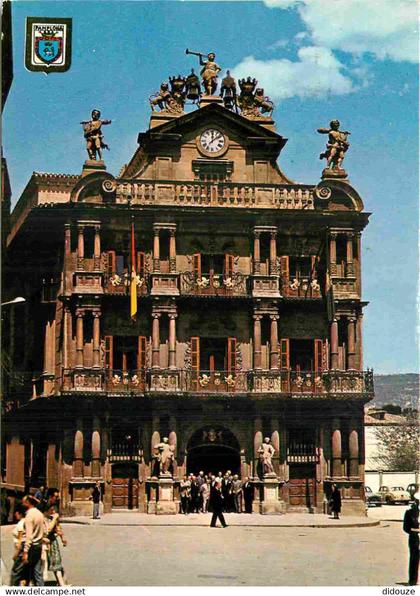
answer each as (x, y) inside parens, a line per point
(399, 390)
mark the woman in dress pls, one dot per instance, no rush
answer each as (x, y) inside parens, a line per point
(335, 502)
(53, 532)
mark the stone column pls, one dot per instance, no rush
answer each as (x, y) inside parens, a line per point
(172, 251)
(257, 264)
(156, 250)
(172, 439)
(353, 451)
(66, 335)
(79, 339)
(172, 340)
(80, 246)
(334, 343)
(275, 441)
(96, 338)
(351, 343)
(96, 448)
(67, 239)
(337, 469)
(273, 253)
(78, 451)
(274, 343)
(349, 256)
(257, 341)
(155, 341)
(333, 253)
(258, 439)
(359, 341)
(97, 248)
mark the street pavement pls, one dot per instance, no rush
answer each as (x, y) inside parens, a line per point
(139, 555)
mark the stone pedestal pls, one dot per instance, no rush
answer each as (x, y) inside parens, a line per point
(159, 118)
(208, 99)
(93, 165)
(271, 505)
(336, 173)
(165, 504)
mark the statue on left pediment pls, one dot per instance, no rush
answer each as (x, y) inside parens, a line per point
(172, 100)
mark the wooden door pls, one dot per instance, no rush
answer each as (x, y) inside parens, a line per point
(125, 487)
(284, 266)
(229, 264)
(197, 265)
(109, 355)
(302, 485)
(141, 360)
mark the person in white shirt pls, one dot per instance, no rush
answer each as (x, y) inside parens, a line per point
(34, 529)
(19, 573)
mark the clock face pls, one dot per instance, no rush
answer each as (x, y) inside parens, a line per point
(212, 140)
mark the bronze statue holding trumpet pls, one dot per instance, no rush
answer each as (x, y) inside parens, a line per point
(209, 71)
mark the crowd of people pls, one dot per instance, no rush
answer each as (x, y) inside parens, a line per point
(36, 539)
(197, 493)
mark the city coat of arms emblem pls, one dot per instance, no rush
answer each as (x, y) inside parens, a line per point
(48, 44)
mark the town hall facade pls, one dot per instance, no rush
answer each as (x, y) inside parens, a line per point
(247, 324)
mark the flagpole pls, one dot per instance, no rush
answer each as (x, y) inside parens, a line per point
(133, 277)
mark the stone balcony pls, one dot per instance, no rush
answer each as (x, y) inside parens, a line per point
(222, 194)
(212, 284)
(295, 384)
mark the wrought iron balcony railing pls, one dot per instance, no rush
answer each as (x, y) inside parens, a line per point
(213, 284)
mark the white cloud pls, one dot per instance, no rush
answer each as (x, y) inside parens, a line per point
(316, 73)
(385, 28)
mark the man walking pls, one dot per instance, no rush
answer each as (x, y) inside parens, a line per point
(34, 534)
(411, 527)
(217, 505)
(96, 499)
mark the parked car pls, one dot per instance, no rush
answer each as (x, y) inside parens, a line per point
(372, 499)
(394, 494)
(412, 489)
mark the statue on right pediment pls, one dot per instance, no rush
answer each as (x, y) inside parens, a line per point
(337, 145)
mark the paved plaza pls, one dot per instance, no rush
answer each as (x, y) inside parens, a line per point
(128, 554)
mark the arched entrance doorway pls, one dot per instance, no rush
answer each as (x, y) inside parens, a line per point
(213, 450)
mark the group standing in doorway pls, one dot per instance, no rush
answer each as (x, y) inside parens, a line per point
(197, 496)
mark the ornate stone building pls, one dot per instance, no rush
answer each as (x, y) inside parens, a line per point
(248, 325)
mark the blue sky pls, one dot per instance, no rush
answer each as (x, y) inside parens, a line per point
(354, 60)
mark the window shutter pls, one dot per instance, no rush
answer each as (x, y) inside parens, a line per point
(111, 267)
(229, 261)
(141, 353)
(141, 263)
(318, 355)
(231, 354)
(195, 353)
(284, 354)
(109, 349)
(285, 267)
(197, 264)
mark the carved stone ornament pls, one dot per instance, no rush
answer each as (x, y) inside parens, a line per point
(323, 192)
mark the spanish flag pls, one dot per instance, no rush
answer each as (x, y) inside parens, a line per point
(133, 283)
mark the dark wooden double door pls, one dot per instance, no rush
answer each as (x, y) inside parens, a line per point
(302, 485)
(125, 486)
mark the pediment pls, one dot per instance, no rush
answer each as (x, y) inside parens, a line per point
(170, 136)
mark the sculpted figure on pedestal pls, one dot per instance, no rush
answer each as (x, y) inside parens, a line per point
(165, 455)
(228, 91)
(209, 71)
(170, 101)
(337, 145)
(93, 135)
(267, 452)
(252, 101)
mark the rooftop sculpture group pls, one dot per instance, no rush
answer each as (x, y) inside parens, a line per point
(251, 102)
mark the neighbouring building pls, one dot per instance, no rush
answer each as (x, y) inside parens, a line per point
(248, 324)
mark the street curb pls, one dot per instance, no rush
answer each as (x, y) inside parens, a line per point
(368, 524)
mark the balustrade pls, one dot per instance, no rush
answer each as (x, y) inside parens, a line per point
(213, 284)
(305, 383)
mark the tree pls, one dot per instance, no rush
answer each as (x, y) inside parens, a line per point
(399, 445)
